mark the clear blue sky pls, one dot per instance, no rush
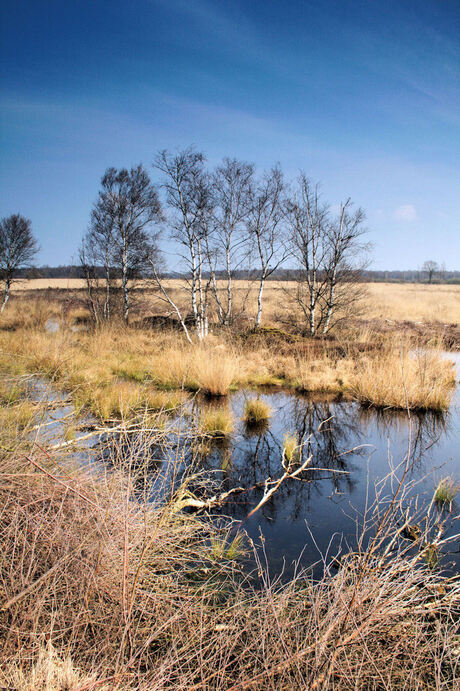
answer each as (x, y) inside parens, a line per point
(365, 96)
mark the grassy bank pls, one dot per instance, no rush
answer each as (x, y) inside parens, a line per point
(119, 370)
(100, 590)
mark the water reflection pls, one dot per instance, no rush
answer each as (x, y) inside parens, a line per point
(427, 427)
(351, 448)
(338, 435)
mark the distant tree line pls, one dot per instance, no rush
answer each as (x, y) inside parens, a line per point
(282, 274)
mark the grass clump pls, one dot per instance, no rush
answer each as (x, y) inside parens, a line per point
(324, 374)
(395, 379)
(215, 370)
(49, 672)
(10, 392)
(217, 423)
(18, 417)
(126, 399)
(256, 411)
(223, 548)
(445, 492)
(291, 449)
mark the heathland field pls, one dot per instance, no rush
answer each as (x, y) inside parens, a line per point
(376, 358)
(394, 301)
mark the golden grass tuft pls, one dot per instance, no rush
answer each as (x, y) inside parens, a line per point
(256, 411)
(215, 370)
(217, 422)
(291, 448)
(446, 491)
(48, 672)
(325, 375)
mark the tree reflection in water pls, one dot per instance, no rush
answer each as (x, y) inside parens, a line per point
(335, 434)
(356, 442)
(254, 453)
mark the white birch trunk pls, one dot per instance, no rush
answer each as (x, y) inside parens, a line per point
(228, 313)
(124, 278)
(6, 295)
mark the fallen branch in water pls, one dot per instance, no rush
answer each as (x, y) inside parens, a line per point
(277, 483)
(186, 500)
(104, 431)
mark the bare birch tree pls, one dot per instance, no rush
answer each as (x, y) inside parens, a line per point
(308, 217)
(123, 228)
(330, 254)
(344, 262)
(232, 188)
(189, 200)
(265, 231)
(18, 247)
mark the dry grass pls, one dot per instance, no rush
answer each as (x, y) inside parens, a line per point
(413, 302)
(256, 411)
(217, 422)
(422, 380)
(323, 374)
(98, 590)
(394, 301)
(122, 370)
(211, 368)
(48, 672)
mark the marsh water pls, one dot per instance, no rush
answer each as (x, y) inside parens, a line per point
(352, 448)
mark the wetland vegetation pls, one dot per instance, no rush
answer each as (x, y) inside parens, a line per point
(153, 509)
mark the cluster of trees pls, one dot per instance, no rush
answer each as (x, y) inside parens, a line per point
(223, 221)
(227, 223)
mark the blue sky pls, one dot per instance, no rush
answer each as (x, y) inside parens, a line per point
(364, 96)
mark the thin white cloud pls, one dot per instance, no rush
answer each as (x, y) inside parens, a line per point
(406, 212)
